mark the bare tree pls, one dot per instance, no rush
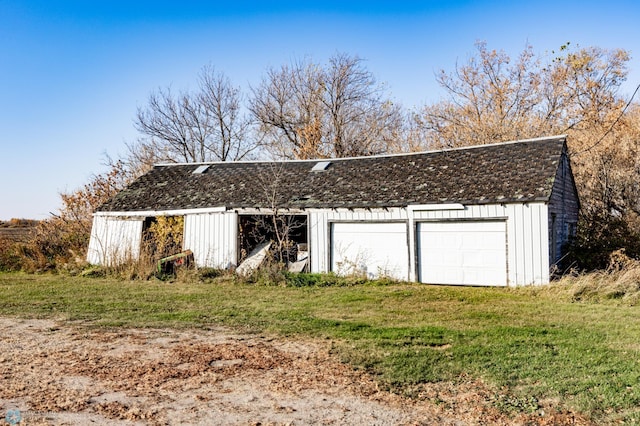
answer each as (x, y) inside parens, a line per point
(492, 98)
(489, 100)
(275, 228)
(279, 224)
(309, 111)
(206, 125)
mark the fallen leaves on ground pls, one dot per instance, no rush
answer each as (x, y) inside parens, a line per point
(62, 373)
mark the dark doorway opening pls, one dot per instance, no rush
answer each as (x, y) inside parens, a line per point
(286, 232)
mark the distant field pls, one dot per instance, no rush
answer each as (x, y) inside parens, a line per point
(16, 234)
(17, 229)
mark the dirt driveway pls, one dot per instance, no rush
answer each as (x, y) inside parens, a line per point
(69, 374)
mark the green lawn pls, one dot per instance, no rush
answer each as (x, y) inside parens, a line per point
(534, 345)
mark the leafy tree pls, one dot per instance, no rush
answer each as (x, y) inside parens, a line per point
(489, 100)
(311, 111)
(492, 99)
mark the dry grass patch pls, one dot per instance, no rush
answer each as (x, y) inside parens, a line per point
(619, 284)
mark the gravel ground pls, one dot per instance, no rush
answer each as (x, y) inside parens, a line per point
(60, 373)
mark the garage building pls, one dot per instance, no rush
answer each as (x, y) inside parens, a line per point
(489, 215)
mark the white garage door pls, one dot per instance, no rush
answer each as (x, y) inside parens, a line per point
(377, 249)
(467, 253)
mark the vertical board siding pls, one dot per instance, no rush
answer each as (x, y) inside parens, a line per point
(527, 249)
(527, 236)
(515, 242)
(318, 241)
(564, 205)
(95, 251)
(114, 240)
(212, 237)
(536, 230)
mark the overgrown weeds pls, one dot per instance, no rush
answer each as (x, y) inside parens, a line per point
(11, 254)
(618, 284)
(276, 274)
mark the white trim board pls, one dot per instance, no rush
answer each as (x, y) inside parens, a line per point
(150, 213)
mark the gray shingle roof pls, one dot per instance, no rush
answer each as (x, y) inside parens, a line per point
(507, 172)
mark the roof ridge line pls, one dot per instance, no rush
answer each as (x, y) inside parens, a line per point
(312, 160)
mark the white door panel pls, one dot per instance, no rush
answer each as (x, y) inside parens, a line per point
(376, 249)
(467, 253)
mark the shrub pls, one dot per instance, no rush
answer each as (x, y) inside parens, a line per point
(11, 255)
(206, 274)
(598, 237)
(60, 242)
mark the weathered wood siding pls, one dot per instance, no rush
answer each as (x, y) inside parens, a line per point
(114, 239)
(212, 237)
(563, 211)
(527, 234)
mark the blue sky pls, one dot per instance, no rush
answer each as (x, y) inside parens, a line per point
(72, 73)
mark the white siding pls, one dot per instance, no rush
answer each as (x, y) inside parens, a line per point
(527, 234)
(212, 238)
(319, 241)
(114, 240)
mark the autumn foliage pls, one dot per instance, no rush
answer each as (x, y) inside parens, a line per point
(61, 241)
(310, 110)
(493, 98)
